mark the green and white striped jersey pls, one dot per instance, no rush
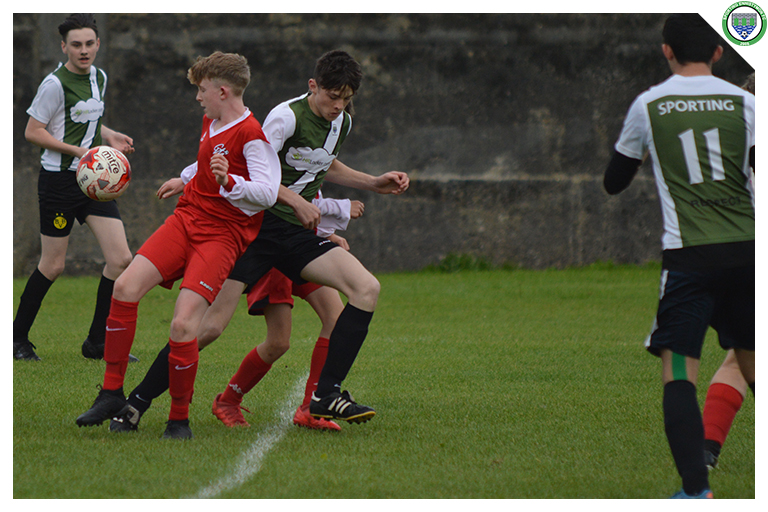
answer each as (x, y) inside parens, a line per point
(698, 131)
(71, 105)
(307, 146)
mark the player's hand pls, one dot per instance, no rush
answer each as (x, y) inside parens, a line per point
(341, 242)
(307, 213)
(170, 188)
(356, 209)
(393, 182)
(219, 167)
(123, 143)
(117, 140)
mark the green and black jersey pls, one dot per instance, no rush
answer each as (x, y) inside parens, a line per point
(307, 146)
(699, 131)
(71, 106)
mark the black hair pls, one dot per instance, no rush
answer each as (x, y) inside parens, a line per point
(336, 69)
(690, 37)
(77, 21)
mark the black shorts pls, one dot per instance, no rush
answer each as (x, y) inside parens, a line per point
(61, 202)
(690, 302)
(282, 245)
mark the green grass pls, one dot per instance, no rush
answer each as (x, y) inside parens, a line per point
(487, 384)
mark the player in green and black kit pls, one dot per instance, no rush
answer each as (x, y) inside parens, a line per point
(65, 121)
(307, 132)
(700, 132)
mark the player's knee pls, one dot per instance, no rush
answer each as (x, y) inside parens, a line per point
(116, 265)
(126, 290)
(122, 262)
(368, 292)
(277, 347)
(51, 270)
(183, 329)
(52, 266)
(208, 333)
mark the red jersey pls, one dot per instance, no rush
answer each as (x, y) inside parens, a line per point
(202, 191)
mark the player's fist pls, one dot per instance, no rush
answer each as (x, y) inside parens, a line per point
(356, 209)
(219, 168)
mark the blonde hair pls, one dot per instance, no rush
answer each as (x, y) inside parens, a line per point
(230, 68)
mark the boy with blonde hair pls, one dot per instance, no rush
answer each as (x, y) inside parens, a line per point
(236, 176)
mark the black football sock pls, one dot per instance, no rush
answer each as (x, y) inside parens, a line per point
(685, 433)
(154, 384)
(343, 346)
(100, 314)
(713, 447)
(29, 304)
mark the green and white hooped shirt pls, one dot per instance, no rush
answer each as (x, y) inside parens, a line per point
(71, 106)
(306, 144)
(699, 131)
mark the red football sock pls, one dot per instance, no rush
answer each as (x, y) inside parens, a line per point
(121, 329)
(251, 371)
(182, 370)
(722, 404)
(319, 353)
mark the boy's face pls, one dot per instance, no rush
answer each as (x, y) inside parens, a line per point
(80, 46)
(209, 96)
(326, 103)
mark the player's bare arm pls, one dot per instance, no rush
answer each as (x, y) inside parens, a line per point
(36, 133)
(307, 213)
(393, 182)
(117, 140)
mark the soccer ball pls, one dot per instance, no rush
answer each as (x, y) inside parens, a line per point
(103, 173)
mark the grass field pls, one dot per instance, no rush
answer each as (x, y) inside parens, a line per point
(487, 384)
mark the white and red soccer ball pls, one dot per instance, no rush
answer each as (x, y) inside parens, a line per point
(103, 173)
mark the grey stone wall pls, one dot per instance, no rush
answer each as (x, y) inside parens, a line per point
(505, 124)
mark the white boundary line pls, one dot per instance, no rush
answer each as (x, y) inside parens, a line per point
(250, 461)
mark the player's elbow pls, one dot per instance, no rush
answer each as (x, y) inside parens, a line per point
(610, 187)
(29, 135)
(271, 196)
(620, 173)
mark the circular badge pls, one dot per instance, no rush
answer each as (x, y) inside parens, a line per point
(744, 23)
(59, 222)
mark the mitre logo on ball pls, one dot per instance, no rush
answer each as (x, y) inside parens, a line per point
(103, 173)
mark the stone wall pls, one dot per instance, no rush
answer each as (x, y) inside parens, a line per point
(505, 124)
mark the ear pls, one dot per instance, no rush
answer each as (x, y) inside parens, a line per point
(224, 91)
(313, 87)
(63, 47)
(717, 55)
(667, 51)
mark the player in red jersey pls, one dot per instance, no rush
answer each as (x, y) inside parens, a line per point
(236, 176)
(271, 297)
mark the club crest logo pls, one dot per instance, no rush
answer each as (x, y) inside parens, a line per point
(59, 222)
(744, 23)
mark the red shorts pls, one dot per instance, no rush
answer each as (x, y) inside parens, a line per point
(275, 288)
(200, 249)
